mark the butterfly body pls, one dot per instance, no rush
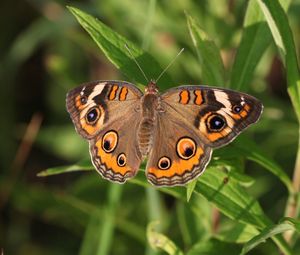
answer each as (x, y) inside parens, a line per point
(176, 131)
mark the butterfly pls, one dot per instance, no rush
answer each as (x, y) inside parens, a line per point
(176, 130)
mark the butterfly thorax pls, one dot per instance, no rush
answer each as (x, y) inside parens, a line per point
(150, 103)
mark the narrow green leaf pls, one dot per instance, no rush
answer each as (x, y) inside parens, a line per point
(209, 56)
(285, 225)
(230, 198)
(283, 37)
(246, 148)
(295, 223)
(252, 152)
(255, 40)
(243, 179)
(160, 241)
(113, 46)
(84, 165)
(155, 209)
(239, 233)
(90, 238)
(189, 189)
(214, 247)
(109, 220)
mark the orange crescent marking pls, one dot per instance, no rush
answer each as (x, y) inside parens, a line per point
(178, 167)
(123, 94)
(113, 92)
(78, 103)
(89, 128)
(198, 99)
(243, 113)
(236, 116)
(109, 160)
(217, 135)
(184, 97)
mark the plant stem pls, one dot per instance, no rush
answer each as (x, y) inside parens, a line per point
(107, 232)
(292, 207)
(296, 177)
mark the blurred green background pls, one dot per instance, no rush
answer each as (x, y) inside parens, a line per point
(45, 52)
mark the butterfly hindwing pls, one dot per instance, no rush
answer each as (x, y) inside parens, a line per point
(178, 155)
(114, 151)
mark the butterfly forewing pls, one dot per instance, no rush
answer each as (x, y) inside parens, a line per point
(218, 114)
(104, 113)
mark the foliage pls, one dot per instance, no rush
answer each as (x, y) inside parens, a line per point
(248, 195)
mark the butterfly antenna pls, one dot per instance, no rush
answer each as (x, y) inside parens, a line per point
(135, 61)
(171, 63)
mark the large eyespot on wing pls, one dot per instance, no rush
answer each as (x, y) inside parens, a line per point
(88, 115)
(111, 166)
(218, 114)
(175, 170)
(111, 156)
(232, 112)
(94, 104)
(178, 154)
(114, 150)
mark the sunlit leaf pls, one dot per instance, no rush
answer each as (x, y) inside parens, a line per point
(214, 247)
(283, 37)
(160, 241)
(113, 46)
(256, 38)
(84, 165)
(285, 225)
(209, 57)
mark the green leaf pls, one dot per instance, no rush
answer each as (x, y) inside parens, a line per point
(109, 220)
(239, 233)
(243, 179)
(189, 189)
(283, 37)
(211, 63)
(84, 165)
(90, 238)
(252, 152)
(214, 247)
(230, 198)
(160, 241)
(244, 147)
(255, 40)
(285, 225)
(113, 46)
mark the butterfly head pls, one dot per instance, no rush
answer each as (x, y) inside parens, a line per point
(151, 88)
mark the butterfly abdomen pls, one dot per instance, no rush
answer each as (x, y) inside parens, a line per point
(146, 127)
(145, 134)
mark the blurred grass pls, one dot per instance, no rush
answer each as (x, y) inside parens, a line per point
(44, 53)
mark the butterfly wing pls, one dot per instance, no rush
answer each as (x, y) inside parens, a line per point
(178, 155)
(103, 112)
(218, 114)
(193, 120)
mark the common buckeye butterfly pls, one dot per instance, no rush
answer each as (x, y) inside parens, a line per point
(176, 130)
